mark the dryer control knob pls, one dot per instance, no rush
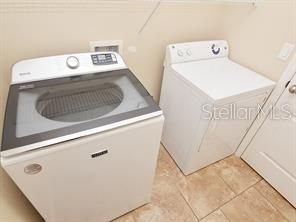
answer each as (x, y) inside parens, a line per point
(215, 49)
(72, 62)
(180, 52)
(189, 52)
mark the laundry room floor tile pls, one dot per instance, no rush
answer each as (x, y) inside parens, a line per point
(251, 206)
(205, 191)
(236, 173)
(167, 168)
(227, 191)
(216, 216)
(167, 203)
(286, 209)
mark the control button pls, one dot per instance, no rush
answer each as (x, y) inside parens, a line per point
(72, 62)
(189, 53)
(114, 58)
(180, 53)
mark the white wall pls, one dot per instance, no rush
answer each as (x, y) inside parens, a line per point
(256, 35)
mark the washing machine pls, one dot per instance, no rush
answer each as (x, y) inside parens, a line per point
(209, 102)
(81, 136)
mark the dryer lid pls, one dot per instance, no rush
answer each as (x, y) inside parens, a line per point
(221, 78)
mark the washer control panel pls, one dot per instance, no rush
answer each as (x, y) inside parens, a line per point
(30, 70)
(104, 59)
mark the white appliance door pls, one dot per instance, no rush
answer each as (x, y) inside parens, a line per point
(95, 178)
(272, 152)
(228, 126)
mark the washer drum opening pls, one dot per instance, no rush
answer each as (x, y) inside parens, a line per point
(80, 104)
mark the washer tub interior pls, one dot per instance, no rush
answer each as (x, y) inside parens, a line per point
(69, 105)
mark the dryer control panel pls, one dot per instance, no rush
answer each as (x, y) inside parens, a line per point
(193, 51)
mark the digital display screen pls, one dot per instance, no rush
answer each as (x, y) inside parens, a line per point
(102, 57)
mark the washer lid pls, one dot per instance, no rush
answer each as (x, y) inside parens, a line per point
(50, 111)
(221, 78)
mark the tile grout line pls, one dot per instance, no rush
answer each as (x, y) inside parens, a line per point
(236, 195)
(271, 203)
(187, 203)
(214, 166)
(240, 195)
(177, 187)
(226, 183)
(218, 208)
(230, 201)
(224, 215)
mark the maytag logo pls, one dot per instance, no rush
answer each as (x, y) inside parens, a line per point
(25, 73)
(29, 86)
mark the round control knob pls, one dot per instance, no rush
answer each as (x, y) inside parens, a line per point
(180, 53)
(215, 49)
(72, 62)
(189, 53)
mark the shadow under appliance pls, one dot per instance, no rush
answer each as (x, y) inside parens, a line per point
(209, 103)
(81, 136)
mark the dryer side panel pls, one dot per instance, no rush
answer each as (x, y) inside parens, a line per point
(184, 125)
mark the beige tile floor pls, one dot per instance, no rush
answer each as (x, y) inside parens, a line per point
(227, 191)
